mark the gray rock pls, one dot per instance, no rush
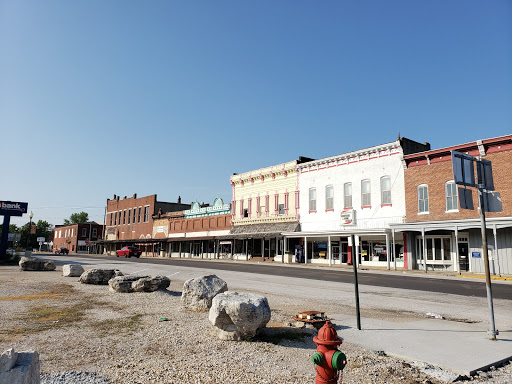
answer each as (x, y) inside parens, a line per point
(99, 276)
(26, 369)
(239, 315)
(72, 270)
(33, 264)
(128, 284)
(198, 293)
(8, 359)
(151, 284)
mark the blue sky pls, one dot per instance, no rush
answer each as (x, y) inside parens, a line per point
(171, 97)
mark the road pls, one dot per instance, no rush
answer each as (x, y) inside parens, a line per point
(391, 279)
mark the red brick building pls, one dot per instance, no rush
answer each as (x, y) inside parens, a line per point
(442, 236)
(78, 238)
(129, 221)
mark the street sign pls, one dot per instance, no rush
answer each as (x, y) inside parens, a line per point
(13, 208)
(40, 239)
(463, 169)
(86, 241)
(33, 229)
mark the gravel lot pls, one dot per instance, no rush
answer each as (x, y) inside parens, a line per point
(85, 334)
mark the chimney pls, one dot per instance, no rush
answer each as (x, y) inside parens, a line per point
(179, 199)
(115, 196)
(134, 195)
(124, 198)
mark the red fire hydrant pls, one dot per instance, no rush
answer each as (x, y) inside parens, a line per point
(328, 360)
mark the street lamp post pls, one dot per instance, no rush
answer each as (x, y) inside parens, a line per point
(29, 229)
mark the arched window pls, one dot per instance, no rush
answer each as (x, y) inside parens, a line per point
(423, 198)
(451, 196)
(329, 198)
(385, 190)
(312, 199)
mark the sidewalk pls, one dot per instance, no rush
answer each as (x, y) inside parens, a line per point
(458, 347)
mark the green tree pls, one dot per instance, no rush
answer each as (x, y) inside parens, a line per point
(77, 218)
(43, 229)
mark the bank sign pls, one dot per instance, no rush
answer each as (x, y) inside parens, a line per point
(13, 208)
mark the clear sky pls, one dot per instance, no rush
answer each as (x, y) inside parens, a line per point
(104, 97)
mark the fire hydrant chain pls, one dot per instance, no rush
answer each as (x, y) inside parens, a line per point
(329, 361)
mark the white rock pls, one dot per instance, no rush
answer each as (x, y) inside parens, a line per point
(72, 270)
(26, 369)
(239, 315)
(198, 293)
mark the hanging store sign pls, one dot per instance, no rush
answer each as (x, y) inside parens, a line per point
(347, 217)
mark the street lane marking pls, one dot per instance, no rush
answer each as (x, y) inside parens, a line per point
(139, 271)
(175, 273)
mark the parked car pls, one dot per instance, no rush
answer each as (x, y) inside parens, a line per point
(128, 252)
(62, 251)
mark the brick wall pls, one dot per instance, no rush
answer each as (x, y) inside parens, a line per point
(199, 224)
(439, 172)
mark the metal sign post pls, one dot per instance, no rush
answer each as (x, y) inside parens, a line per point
(463, 174)
(351, 243)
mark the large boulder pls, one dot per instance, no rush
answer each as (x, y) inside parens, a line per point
(198, 293)
(151, 284)
(99, 276)
(20, 367)
(138, 283)
(72, 270)
(33, 264)
(239, 315)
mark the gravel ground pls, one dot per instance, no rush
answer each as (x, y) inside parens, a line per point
(86, 334)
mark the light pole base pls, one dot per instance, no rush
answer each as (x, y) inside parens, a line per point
(493, 334)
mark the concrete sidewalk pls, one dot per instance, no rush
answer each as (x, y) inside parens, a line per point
(455, 346)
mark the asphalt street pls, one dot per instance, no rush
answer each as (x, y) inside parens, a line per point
(388, 279)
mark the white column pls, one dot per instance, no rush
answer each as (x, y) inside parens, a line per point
(494, 231)
(457, 256)
(305, 250)
(393, 247)
(355, 251)
(424, 248)
(329, 253)
(388, 259)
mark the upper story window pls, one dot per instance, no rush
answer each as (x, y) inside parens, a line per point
(246, 212)
(451, 196)
(94, 232)
(312, 199)
(385, 190)
(366, 195)
(111, 218)
(84, 232)
(146, 214)
(347, 195)
(281, 209)
(140, 213)
(423, 198)
(129, 216)
(329, 198)
(124, 216)
(115, 218)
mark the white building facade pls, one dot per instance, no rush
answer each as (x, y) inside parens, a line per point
(357, 196)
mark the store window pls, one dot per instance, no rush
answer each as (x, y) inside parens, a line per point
(451, 196)
(347, 195)
(438, 248)
(366, 197)
(329, 198)
(385, 190)
(312, 199)
(423, 198)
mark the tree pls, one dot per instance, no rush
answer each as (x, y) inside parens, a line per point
(43, 229)
(77, 218)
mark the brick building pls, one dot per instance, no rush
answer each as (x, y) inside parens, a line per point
(440, 235)
(196, 232)
(79, 238)
(129, 221)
